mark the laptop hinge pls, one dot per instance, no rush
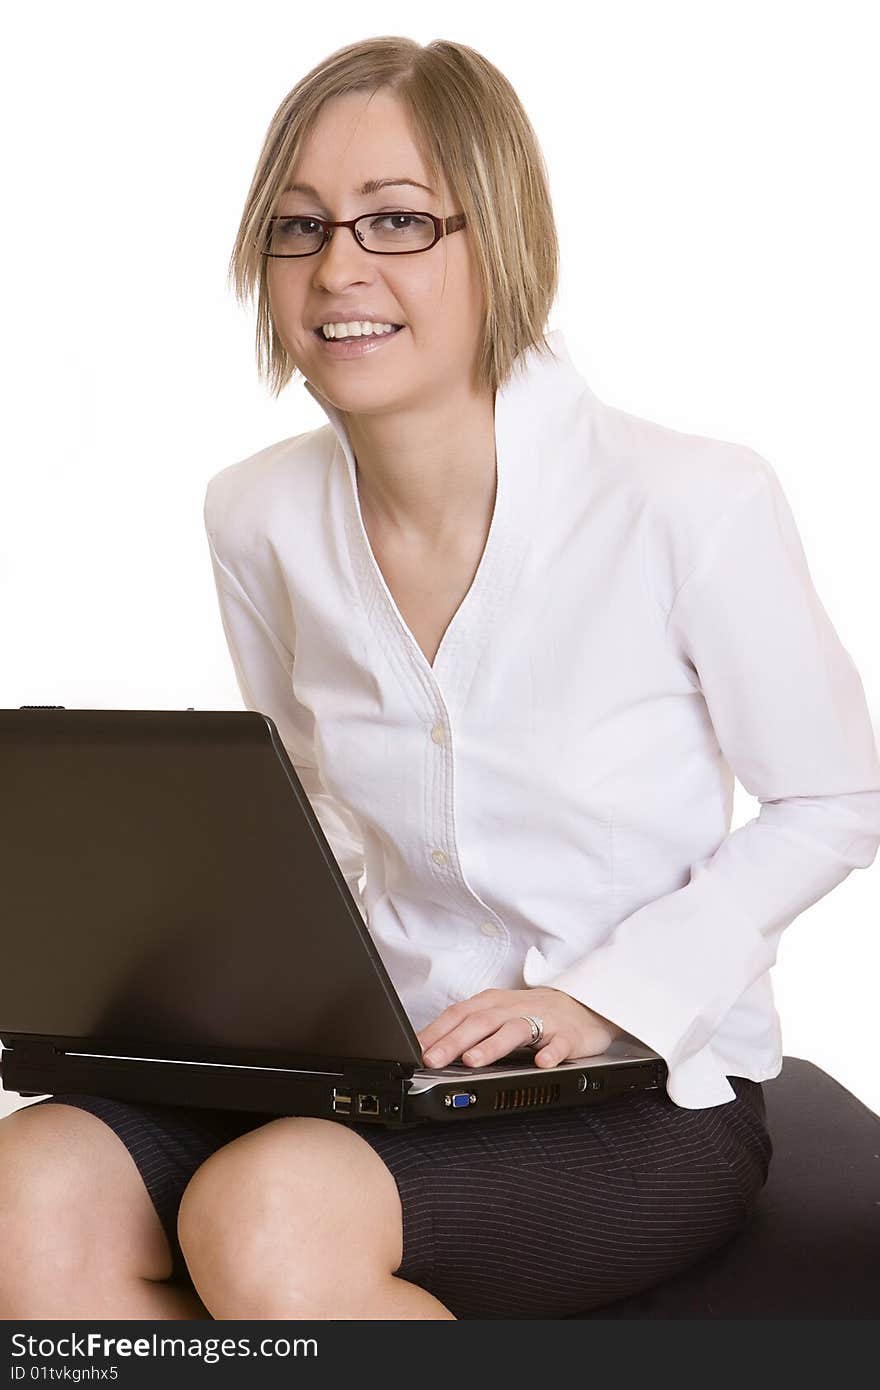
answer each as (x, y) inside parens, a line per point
(28, 1050)
(25, 1063)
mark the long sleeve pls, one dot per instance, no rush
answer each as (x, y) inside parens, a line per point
(263, 665)
(790, 716)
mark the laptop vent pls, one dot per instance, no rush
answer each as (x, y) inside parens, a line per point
(522, 1097)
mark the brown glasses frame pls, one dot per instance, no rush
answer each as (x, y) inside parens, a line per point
(442, 227)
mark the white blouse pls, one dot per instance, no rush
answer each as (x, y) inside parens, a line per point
(550, 802)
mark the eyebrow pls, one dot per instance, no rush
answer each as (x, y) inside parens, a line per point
(371, 186)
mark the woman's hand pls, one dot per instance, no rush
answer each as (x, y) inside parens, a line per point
(489, 1025)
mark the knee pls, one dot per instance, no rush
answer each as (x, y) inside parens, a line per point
(228, 1224)
(45, 1189)
(226, 1204)
(290, 1209)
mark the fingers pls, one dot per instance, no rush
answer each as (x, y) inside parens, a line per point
(561, 1046)
(452, 1018)
(480, 1039)
(514, 1032)
(557, 1049)
(485, 1028)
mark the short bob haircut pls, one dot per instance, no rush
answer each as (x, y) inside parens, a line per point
(468, 123)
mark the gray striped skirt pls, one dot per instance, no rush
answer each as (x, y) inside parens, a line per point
(523, 1216)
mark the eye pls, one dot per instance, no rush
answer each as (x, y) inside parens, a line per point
(407, 217)
(297, 226)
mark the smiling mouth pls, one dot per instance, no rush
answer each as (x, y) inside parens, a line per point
(356, 337)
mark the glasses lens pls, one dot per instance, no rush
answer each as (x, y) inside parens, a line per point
(395, 231)
(293, 236)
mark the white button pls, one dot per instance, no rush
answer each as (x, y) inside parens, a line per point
(489, 928)
(439, 857)
(438, 733)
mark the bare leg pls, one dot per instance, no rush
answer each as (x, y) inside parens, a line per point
(299, 1219)
(159, 1302)
(131, 1299)
(398, 1300)
(392, 1299)
(80, 1235)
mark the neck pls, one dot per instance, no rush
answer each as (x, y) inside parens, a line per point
(427, 477)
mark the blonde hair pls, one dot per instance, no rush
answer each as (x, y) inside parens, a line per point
(468, 124)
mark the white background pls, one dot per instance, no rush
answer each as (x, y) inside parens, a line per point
(713, 169)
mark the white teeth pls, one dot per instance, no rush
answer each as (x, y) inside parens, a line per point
(362, 329)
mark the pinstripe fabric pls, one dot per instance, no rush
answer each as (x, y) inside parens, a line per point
(525, 1216)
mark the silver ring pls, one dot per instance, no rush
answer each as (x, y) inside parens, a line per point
(537, 1026)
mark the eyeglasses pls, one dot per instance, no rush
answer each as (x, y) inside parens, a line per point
(382, 233)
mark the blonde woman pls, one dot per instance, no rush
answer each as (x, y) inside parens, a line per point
(517, 642)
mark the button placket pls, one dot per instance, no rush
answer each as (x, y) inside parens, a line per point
(440, 855)
(444, 684)
(495, 941)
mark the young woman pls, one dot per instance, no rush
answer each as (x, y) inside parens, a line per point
(517, 643)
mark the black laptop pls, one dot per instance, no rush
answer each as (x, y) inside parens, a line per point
(177, 930)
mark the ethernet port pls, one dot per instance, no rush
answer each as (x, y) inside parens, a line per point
(368, 1105)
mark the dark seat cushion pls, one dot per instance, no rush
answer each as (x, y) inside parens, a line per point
(812, 1247)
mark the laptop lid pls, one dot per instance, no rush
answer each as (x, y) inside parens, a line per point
(168, 889)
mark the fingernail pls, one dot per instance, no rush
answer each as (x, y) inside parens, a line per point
(432, 1057)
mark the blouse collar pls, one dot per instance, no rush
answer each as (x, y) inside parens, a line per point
(539, 386)
(536, 412)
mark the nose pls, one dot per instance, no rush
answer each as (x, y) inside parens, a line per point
(341, 258)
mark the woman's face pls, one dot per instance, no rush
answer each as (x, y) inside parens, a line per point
(357, 137)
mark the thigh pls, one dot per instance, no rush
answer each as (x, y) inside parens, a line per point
(537, 1216)
(168, 1143)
